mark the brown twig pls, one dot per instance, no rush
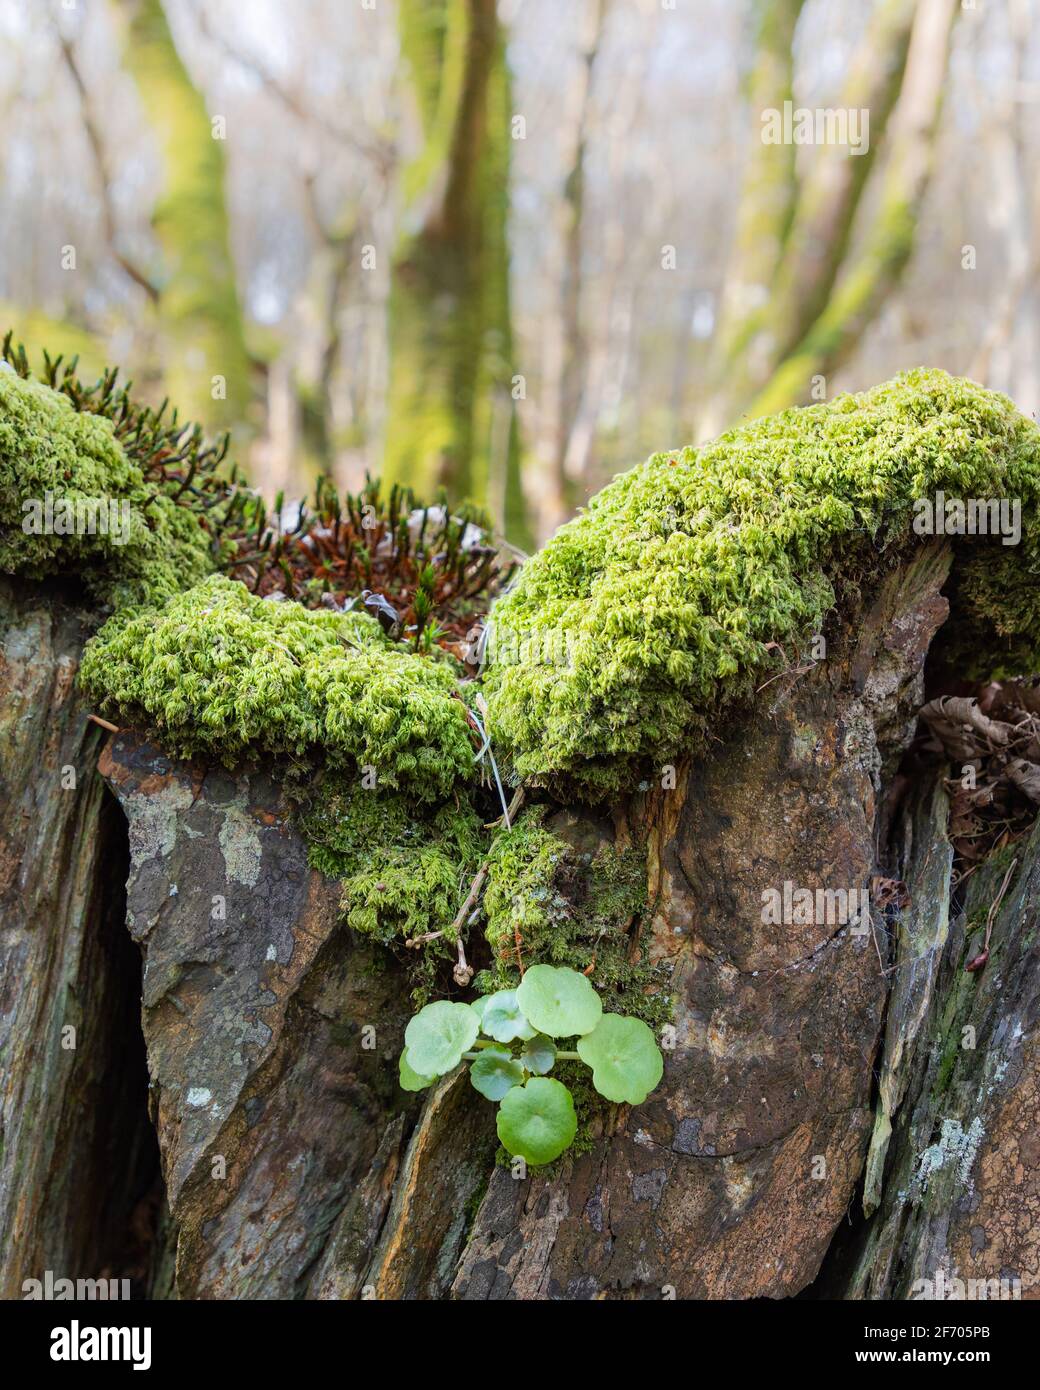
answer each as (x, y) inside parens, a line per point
(472, 897)
(112, 728)
(463, 971)
(104, 173)
(980, 960)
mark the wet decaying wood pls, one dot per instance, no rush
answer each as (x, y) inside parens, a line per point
(844, 1111)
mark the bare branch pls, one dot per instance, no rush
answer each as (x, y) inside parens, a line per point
(97, 149)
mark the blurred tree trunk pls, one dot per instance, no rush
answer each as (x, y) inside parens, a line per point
(451, 418)
(812, 280)
(565, 344)
(768, 193)
(201, 334)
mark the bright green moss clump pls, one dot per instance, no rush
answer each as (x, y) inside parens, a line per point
(547, 902)
(652, 610)
(403, 873)
(221, 671)
(128, 543)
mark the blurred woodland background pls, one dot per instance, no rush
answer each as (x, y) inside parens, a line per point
(514, 248)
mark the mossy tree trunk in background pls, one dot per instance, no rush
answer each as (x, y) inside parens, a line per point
(768, 192)
(805, 282)
(564, 347)
(199, 314)
(451, 416)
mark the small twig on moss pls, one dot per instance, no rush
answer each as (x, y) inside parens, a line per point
(417, 941)
(112, 728)
(463, 971)
(473, 896)
(486, 748)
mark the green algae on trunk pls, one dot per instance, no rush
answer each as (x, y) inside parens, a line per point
(200, 315)
(451, 418)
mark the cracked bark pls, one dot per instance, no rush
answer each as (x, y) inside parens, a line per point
(295, 1167)
(76, 1151)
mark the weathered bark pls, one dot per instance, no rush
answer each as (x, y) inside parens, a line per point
(961, 1191)
(76, 1152)
(271, 1099)
(294, 1165)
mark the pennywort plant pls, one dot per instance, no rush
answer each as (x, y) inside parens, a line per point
(512, 1040)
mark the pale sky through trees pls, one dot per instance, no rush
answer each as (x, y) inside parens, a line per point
(619, 356)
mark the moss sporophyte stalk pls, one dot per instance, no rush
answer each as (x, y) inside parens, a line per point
(616, 649)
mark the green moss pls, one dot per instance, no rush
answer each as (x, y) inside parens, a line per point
(572, 908)
(664, 594)
(403, 873)
(218, 670)
(522, 894)
(47, 447)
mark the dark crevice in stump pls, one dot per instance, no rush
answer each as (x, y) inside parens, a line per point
(127, 1209)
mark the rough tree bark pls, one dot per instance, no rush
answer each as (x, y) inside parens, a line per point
(295, 1167)
(76, 1150)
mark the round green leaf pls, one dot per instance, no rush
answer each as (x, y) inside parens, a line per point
(539, 1054)
(479, 1005)
(502, 1018)
(411, 1080)
(495, 1072)
(559, 1001)
(537, 1121)
(625, 1059)
(438, 1035)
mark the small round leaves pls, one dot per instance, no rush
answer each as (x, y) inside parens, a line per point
(438, 1035)
(411, 1080)
(537, 1122)
(558, 1001)
(502, 1018)
(539, 1054)
(495, 1072)
(625, 1059)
